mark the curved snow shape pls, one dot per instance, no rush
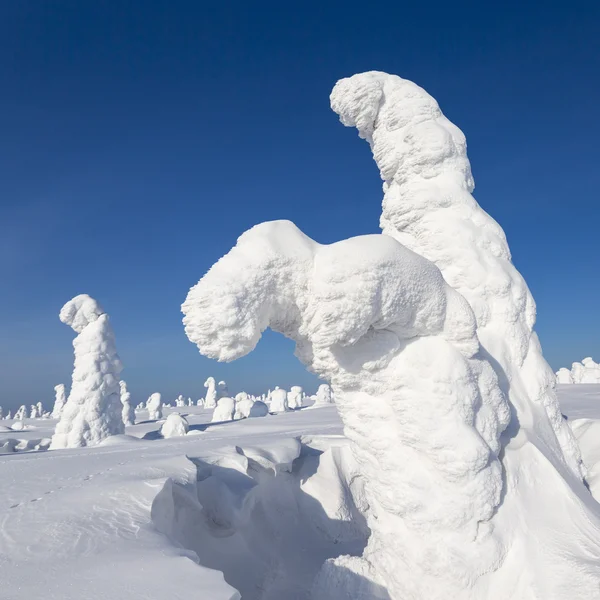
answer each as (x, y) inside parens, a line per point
(210, 400)
(93, 410)
(428, 207)
(224, 410)
(174, 426)
(564, 376)
(423, 409)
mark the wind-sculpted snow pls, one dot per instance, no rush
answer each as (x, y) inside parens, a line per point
(422, 407)
(586, 371)
(93, 409)
(428, 207)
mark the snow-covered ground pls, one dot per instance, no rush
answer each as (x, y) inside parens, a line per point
(254, 506)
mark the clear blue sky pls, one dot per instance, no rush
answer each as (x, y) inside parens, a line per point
(140, 138)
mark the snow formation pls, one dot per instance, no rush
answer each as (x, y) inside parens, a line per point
(210, 400)
(224, 411)
(279, 401)
(426, 337)
(93, 410)
(174, 426)
(295, 397)
(154, 406)
(128, 410)
(324, 395)
(587, 371)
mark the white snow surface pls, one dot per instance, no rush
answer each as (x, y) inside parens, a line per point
(255, 505)
(93, 409)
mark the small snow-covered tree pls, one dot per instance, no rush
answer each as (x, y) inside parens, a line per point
(9, 415)
(21, 412)
(128, 411)
(243, 406)
(60, 398)
(224, 411)
(324, 395)
(190, 402)
(174, 426)
(200, 402)
(210, 400)
(1, 413)
(154, 406)
(295, 397)
(93, 410)
(564, 376)
(33, 412)
(279, 400)
(40, 409)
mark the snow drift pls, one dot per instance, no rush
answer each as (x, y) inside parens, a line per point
(426, 337)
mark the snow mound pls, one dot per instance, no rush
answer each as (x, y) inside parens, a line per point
(119, 440)
(174, 426)
(224, 410)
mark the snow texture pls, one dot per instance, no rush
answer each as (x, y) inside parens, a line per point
(93, 410)
(154, 405)
(174, 426)
(324, 395)
(128, 410)
(426, 337)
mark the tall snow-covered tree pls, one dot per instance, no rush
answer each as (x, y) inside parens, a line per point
(93, 410)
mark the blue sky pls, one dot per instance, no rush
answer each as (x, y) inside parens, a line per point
(140, 138)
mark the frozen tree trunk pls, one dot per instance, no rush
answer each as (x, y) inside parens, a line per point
(128, 410)
(93, 410)
(210, 400)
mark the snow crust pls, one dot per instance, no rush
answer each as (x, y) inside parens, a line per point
(93, 410)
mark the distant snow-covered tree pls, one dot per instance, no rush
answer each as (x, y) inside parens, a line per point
(93, 410)
(154, 406)
(128, 411)
(174, 426)
(210, 400)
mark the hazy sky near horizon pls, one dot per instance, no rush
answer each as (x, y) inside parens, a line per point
(141, 138)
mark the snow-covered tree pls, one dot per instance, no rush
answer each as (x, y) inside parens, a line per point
(200, 402)
(324, 395)
(40, 409)
(243, 406)
(154, 405)
(424, 334)
(224, 411)
(210, 400)
(564, 376)
(294, 397)
(279, 401)
(174, 426)
(1, 413)
(127, 411)
(21, 413)
(9, 415)
(190, 402)
(33, 411)
(93, 410)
